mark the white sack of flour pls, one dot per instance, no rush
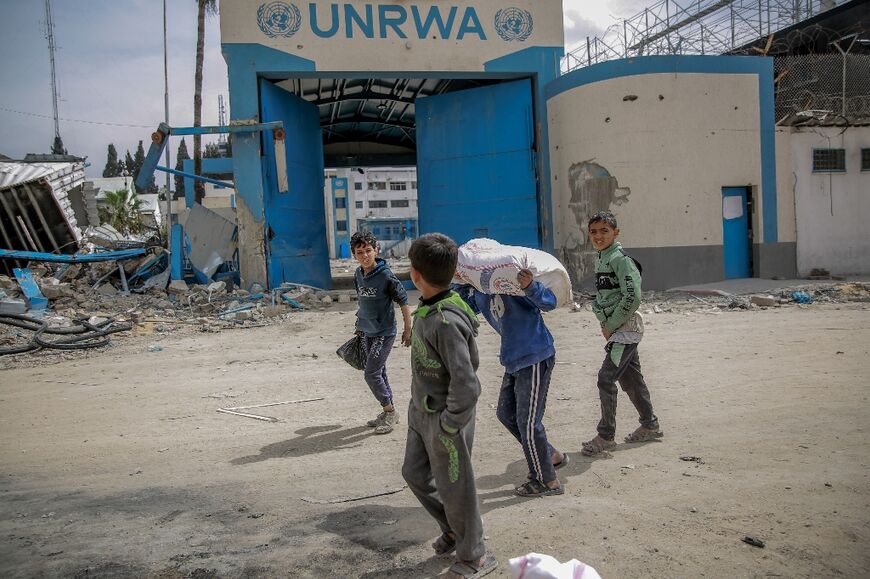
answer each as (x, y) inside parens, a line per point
(492, 268)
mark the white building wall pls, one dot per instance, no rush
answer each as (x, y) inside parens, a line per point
(671, 150)
(656, 149)
(832, 209)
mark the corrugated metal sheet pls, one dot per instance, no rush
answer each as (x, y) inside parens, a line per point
(16, 173)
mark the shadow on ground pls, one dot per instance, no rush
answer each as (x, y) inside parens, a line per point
(312, 440)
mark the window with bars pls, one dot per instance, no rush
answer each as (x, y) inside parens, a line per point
(341, 225)
(377, 204)
(357, 186)
(398, 186)
(829, 160)
(359, 204)
(399, 203)
(865, 159)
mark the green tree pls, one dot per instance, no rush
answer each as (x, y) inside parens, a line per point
(113, 168)
(211, 151)
(57, 147)
(210, 7)
(180, 157)
(120, 209)
(129, 165)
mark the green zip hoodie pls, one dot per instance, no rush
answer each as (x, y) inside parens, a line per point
(618, 283)
(444, 361)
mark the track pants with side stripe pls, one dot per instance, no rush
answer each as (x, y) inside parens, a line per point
(521, 406)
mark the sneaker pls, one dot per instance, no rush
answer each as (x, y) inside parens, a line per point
(375, 422)
(390, 420)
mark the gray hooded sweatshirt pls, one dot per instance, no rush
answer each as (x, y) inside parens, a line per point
(444, 361)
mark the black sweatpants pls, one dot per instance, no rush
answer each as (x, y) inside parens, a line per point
(622, 365)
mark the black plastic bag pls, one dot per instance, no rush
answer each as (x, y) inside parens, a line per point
(352, 353)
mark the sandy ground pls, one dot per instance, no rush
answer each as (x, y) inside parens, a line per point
(115, 463)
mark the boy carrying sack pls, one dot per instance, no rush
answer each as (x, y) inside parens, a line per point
(617, 281)
(441, 415)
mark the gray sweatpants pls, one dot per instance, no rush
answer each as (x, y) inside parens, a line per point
(438, 471)
(622, 365)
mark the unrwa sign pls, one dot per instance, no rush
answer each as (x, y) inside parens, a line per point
(282, 19)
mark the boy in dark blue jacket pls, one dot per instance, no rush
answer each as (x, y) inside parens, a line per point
(377, 290)
(528, 356)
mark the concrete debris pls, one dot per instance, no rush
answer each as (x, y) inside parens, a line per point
(764, 301)
(107, 289)
(12, 306)
(178, 286)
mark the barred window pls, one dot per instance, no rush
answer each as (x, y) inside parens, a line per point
(399, 203)
(829, 160)
(398, 186)
(359, 204)
(357, 186)
(865, 159)
(377, 204)
(341, 225)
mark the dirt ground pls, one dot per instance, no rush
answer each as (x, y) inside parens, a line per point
(115, 462)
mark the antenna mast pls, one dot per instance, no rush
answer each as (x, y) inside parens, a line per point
(222, 119)
(49, 35)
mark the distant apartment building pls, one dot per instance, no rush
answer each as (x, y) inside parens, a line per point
(382, 200)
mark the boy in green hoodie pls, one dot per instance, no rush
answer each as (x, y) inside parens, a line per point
(617, 281)
(444, 392)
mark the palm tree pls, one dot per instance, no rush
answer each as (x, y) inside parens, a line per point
(121, 210)
(205, 7)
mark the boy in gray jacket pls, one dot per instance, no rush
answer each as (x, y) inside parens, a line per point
(444, 392)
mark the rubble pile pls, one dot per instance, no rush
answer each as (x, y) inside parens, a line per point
(657, 302)
(93, 294)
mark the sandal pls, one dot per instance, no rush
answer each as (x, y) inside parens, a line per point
(644, 434)
(556, 465)
(534, 488)
(474, 569)
(597, 446)
(444, 544)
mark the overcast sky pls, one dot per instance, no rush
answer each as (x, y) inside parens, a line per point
(109, 63)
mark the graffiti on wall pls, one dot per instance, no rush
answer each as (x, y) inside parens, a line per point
(593, 189)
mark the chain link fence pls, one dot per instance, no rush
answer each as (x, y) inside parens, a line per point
(827, 88)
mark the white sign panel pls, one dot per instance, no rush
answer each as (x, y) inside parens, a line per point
(732, 207)
(424, 35)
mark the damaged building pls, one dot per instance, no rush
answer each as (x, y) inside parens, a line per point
(43, 206)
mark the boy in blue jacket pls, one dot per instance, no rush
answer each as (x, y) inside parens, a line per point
(528, 356)
(377, 290)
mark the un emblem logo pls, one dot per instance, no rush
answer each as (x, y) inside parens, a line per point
(513, 24)
(279, 19)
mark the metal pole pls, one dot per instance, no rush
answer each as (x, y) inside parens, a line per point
(588, 52)
(168, 218)
(49, 34)
(625, 38)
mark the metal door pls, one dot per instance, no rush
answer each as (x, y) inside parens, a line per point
(735, 233)
(296, 245)
(476, 164)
